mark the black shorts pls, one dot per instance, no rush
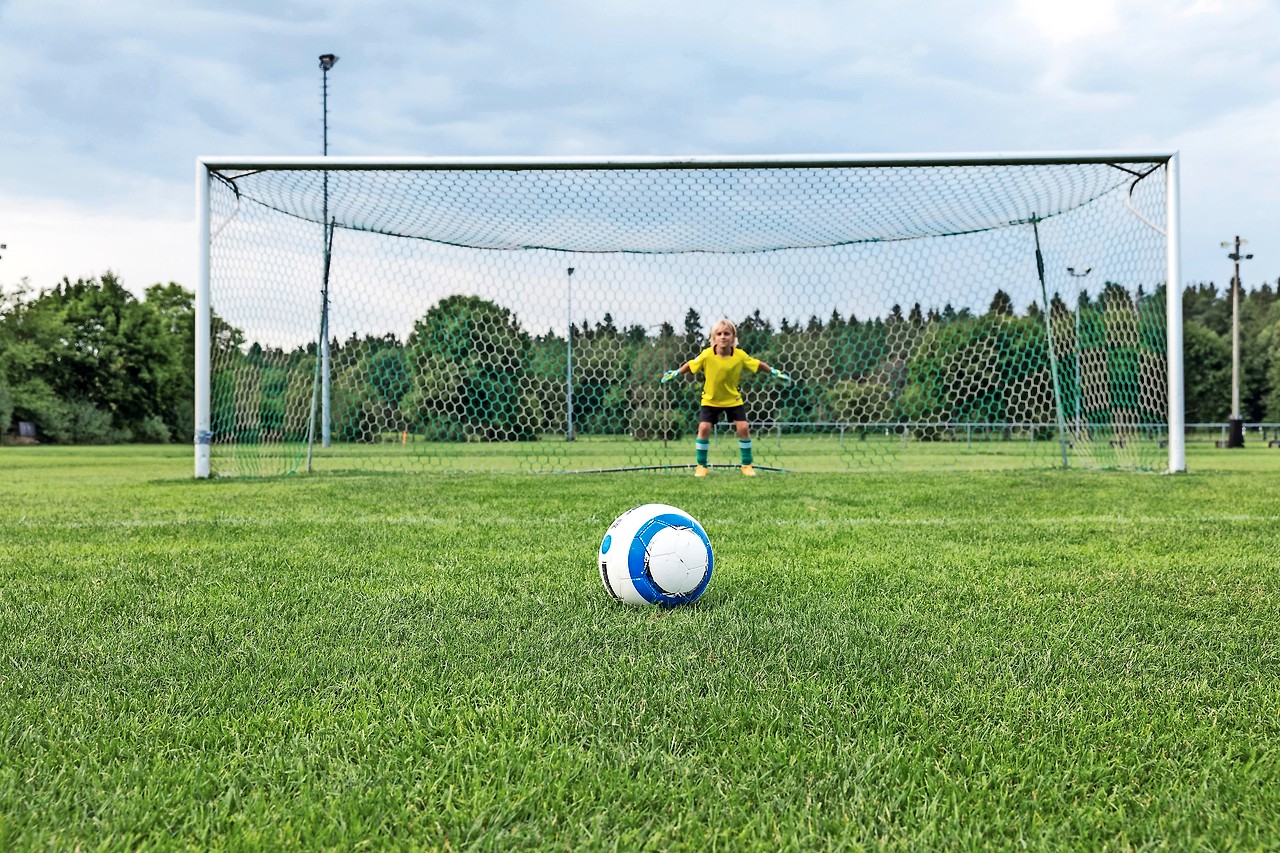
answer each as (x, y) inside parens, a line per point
(711, 414)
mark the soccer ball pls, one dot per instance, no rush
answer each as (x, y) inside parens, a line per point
(655, 554)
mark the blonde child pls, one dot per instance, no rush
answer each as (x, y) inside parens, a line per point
(722, 364)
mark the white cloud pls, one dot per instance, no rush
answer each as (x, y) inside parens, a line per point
(1065, 23)
(1230, 176)
(108, 105)
(48, 240)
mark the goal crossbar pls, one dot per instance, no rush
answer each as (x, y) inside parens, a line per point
(742, 161)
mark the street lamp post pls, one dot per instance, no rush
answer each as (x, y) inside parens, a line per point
(327, 61)
(1235, 424)
(1078, 274)
(568, 340)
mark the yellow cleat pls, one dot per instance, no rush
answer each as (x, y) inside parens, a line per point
(748, 471)
(700, 471)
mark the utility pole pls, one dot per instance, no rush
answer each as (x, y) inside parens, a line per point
(1235, 424)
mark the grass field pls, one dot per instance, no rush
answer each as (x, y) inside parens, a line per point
(919, 661)
(795, 452)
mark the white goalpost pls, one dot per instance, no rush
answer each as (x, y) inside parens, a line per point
(936, 311)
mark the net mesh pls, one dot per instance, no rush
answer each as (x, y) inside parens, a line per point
(990, 315)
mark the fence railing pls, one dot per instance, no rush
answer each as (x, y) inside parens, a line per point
(1265, 432)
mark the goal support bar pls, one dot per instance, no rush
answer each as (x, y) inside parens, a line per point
(203, 354)
(1173, 320)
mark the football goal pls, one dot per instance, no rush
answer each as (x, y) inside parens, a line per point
(934, 311)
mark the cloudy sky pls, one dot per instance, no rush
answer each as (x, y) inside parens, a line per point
(105, 106)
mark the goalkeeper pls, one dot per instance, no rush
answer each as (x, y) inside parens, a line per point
(722, 364)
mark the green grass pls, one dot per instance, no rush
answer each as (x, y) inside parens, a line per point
(1044, 659)
(800, 452)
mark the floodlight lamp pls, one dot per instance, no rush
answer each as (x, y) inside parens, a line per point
(327, 61)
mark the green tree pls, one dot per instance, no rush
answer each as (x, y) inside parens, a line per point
(1258, 311)
(755, 334)
(469, 355)
(11, 307)
(694, 335)
(661, 411)
(6, 407)
(1204, 306)
(175, 373)
(1269, 339)
(601, 369)
(1001, 305)
(848, 401)
(1206, 360)
(86, 361)
(31, 334)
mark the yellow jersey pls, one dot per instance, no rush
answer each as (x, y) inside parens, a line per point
(721, 375)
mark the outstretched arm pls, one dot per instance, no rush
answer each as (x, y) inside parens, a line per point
(775, 372)
(672, 374)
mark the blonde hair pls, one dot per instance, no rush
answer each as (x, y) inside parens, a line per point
(724, 323)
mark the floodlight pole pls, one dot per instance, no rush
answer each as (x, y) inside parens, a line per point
(568, 337)
(1078, 274)
(1235, 424)
(327, 61)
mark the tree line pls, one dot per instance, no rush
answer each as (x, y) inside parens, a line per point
(469, 371)
(88, 362)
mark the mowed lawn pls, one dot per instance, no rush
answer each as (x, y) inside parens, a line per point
(918, 661)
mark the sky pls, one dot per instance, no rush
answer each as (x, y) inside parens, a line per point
(105, 106)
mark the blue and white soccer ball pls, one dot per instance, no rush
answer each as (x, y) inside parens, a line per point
(655, 554)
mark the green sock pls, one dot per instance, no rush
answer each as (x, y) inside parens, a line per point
(704, 450)
(744, 447)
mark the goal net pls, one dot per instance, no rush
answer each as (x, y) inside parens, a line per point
(933, 312)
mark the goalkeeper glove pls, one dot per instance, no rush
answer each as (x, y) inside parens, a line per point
(779, 375)
(669, 375)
